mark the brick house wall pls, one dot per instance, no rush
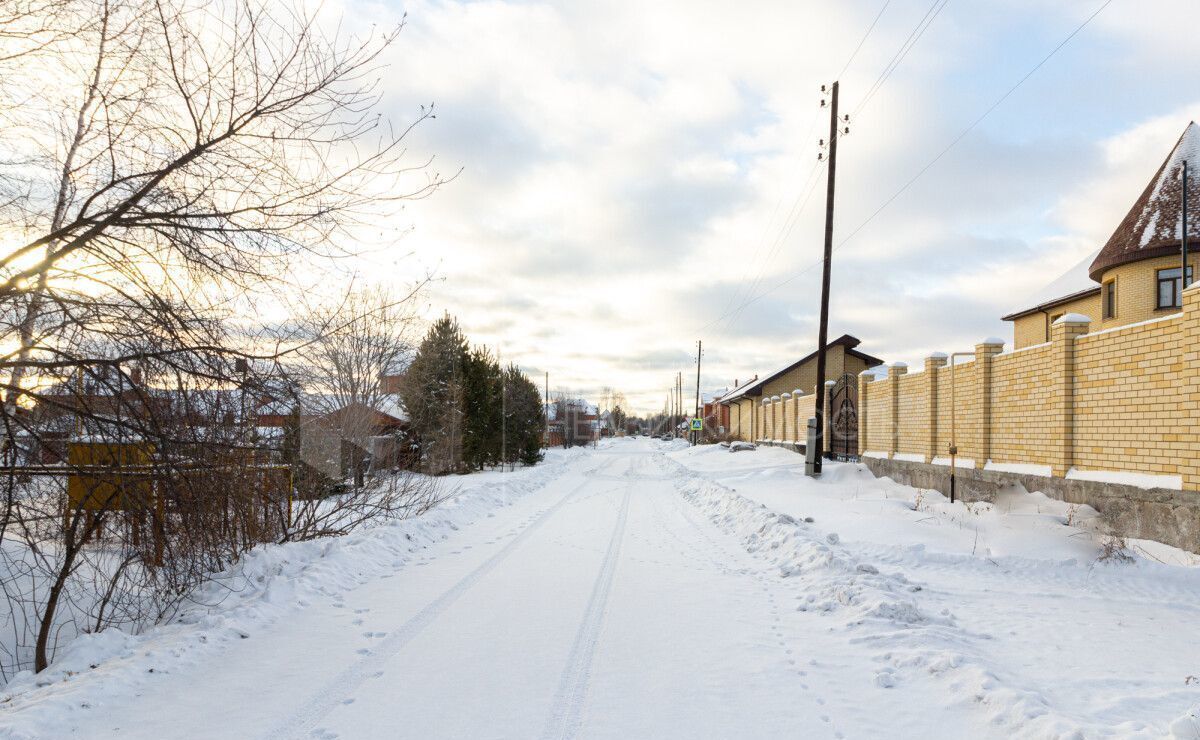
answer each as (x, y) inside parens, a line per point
(1034, 328)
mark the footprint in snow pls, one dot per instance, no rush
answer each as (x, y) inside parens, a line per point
(363, 651)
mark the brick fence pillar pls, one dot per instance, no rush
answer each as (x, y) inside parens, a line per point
(1063, 334)
(1189, 420)
(800, 425)
(864, 385)
(933, 364)
(894, 372)
(985, 353)
(783, 416)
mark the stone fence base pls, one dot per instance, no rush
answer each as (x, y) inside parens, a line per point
(1160, 514)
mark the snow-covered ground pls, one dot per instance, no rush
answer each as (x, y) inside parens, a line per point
(648, 589)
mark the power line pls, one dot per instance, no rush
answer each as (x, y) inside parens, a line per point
(913, 37)
(744, 292)
(793, 217)
(863, 39)
(932, 162)
(976, 122)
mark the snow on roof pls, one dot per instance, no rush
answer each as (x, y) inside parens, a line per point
(1186, 150)
(1153, 228)
(1071, 284)
(393, 406)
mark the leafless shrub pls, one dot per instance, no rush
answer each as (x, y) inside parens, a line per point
(1114, 549)
(398, 496)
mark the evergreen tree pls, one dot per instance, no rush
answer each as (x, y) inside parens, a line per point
(524, 418)
(483, 427)
(433, 394)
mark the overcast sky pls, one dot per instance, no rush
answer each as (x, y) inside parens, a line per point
(639, 175)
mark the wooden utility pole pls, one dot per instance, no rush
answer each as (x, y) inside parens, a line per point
(696, 434)
(546, 413)
(823, 330)
(679, 396)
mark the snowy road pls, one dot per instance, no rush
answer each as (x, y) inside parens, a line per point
(632, 597)
(603, 605)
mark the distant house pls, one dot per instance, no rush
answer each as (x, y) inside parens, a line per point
(349, 438)
(1136, 275)
(714, 413)
(744, 404)
(571, 422)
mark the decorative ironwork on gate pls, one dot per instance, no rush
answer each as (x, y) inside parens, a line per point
(843, 422)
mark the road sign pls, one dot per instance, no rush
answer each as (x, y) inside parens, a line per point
(697, 424)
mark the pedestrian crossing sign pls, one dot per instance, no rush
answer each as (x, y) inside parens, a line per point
(697, 424)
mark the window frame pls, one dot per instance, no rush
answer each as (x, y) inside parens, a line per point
(1108, 299)
(1177, 287)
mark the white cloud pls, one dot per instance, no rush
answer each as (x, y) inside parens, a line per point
(630, 169)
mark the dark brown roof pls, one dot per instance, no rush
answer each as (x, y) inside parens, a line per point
(1152, 226)
(1052, 303)
(755, 388)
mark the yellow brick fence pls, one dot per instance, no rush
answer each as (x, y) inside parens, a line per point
(1123, 399)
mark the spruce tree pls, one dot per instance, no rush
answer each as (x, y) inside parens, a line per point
(433, 395)
(483, 427)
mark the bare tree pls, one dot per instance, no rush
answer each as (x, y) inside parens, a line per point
(352, 364)
(188, 158)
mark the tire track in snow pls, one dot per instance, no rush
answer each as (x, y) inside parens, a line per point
(337, 690)
(567, 709)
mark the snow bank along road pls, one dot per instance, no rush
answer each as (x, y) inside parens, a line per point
(631, 592)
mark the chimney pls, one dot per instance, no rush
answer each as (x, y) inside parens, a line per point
(735, 384)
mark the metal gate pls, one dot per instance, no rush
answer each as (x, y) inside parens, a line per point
(843, 422)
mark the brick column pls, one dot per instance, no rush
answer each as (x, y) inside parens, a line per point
(933, 364)
(1189, 468)
(783, 416)
(765, 412)
(800, 425)
(985, 353)
(864, 385)
(1063, 334)
(894, 372)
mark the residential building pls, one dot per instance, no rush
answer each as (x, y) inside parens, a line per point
(744, 404)
(1135, 277)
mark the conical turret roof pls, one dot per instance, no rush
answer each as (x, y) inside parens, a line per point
(1152, 226)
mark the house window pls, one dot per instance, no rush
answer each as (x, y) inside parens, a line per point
(1170, 293)
(1110, 299)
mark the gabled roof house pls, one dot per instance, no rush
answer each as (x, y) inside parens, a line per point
(796, 378)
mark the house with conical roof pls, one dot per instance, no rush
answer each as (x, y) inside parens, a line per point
(1136, 276)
